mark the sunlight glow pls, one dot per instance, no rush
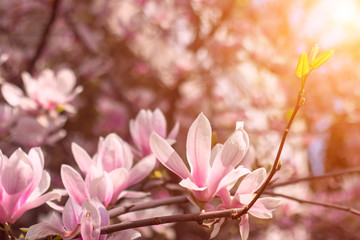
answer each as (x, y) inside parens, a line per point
(344, 12)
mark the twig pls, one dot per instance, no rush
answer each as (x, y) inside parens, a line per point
(195, 217)
(300, 101)
(145, 205)
(327, 205)
(314, 178)
(44, 37)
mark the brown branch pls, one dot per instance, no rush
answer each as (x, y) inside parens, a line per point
(300, 101)
(195, 217)
(314, 178)
(44, 37)
(145, 205)
(327, 205)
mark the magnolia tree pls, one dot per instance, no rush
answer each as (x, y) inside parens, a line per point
(169, 120)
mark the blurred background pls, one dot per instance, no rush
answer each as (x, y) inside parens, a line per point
(231, 59)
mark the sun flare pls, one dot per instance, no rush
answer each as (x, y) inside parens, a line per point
(345, 12)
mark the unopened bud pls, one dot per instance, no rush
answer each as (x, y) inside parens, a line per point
(302, 101)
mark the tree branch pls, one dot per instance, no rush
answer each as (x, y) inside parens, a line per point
(131, 207)
(195, 217)
(44, 37)
(314, 178)
(327, 205)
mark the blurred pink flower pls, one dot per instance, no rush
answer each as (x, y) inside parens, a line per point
(47, 92)
(86, 220)
(211, 170)
(113, 116)
(144, 124)
(245, 193)
(22, 184)
(29, 131)
(115, 159)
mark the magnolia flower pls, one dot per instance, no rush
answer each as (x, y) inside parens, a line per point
(144, 124)
(97, 184)
(115, 160)
(245, 193)
(48, 91)
(211, 170)
(86, 219)
(29, 131)
(22, 184)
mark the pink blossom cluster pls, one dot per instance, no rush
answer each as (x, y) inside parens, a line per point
(35, 116)
(111, 172)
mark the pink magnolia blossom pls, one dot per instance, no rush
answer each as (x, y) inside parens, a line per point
(114, 160)
(47, 91)
(29, 131)
(86, 219)
(245, 193)
(211, 170)
(97, 184)
(144, 124)
(22, 184)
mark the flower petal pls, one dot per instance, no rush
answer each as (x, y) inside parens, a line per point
(82, 158)
(37, 202)
(232, 152)
(252, 182)
(158, 122)
(114, 153)
(132, 194)
(244, 227)
(90, 221)
(187, 183)
(71, 214)
(230, 179)
(167, 156)
(174, 131)
(42, 230)
(18, 165)
(264, 207)
(74, 184)
(198, 149)
(235, 148)
(141, 170)
(129, 234)
(119, 178)
(102, 188)
(42, 187)
(216, 229)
